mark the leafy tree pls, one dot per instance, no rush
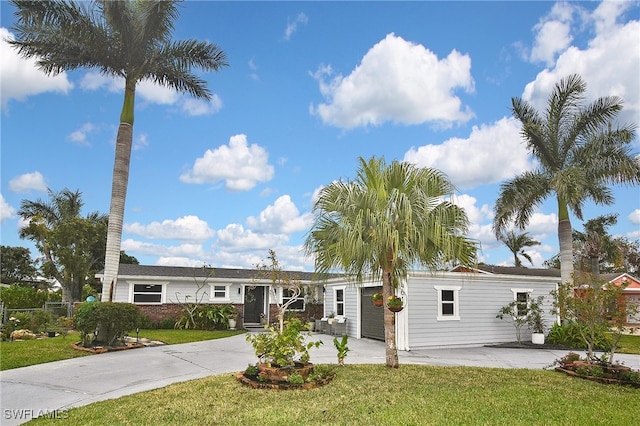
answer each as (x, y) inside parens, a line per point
(516, 243)
(72, 246)
(128, 260)
(392, 217)
(126, 39)
(630, 255)
(578, 153)
(17, 266)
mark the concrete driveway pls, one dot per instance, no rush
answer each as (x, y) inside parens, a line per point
(50, 389)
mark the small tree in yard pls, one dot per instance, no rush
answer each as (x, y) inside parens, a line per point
(531, 318)
(189, 307)
(597, 310)
(281, 281)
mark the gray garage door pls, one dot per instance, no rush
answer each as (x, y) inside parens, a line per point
(372, 317)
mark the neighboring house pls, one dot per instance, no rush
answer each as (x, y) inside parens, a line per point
(631, 292)
(160, 290)
(456, 308)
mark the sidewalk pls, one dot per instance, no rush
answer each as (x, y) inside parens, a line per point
(57, 386)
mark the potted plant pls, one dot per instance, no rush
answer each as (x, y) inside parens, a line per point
(331, 318)
(377, 299)
(535, 321)
(394, 304)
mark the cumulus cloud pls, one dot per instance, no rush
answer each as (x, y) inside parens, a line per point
(553, 34)
(6, 211)
(80, 135)
(610, 63)
(196, 107)
(234, 238)
(491, 153)
(397, 81)
(240, 165)
(292, 26)
(150, 92)
(28, 182)
(20, 77)
(188, 228)
(634, 217)
(281, 217)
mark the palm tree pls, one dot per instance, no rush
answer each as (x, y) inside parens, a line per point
(126, 39)
(578, 155)
(516, 243)
(595, 243)
(72, 246)
(389, 219)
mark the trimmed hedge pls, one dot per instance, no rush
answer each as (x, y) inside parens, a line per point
(109, 319)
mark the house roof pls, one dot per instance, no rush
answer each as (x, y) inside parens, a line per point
(509, 270)
(201, 272)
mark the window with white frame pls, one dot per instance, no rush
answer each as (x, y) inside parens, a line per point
(448, 302)
(297, 301)
(522, 297)
(339, 301)
(147, 293)
(219, 292)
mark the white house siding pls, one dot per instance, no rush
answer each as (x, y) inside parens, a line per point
(176, 290)
(479, 299)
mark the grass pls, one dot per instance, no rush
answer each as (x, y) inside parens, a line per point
(30, 352)
(23, 353)
(629, 344)
(374, 394)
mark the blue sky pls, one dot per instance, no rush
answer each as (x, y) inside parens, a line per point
(311, 87)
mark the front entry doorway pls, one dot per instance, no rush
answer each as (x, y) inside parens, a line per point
(254, 304)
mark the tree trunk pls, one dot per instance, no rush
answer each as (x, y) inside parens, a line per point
(391, 351)
(565, 242)
(124, 141)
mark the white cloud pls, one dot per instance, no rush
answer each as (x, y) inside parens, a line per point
(634, 217)
(281, 217)
(490, 154)
(610, 64)
(141, 142)
(178, 261)
(196, 107)
(241, 166)
(28, 182)
(189, 228)
(147, 90)
(6, 211)
(553, 34)
(234, 238)
(292, 26)
(20, 78)
(474, 214)
(397, 81)
(80, 136)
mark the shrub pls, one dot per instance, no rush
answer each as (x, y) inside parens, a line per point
(282, 348)
(295, 378)
(206, 317)
(631, 376)
(110, 320)
(19, 297)
(568, 335)
(40, 321)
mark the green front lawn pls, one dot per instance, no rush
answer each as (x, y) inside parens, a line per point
(30, 352)
(629, 344)
(23, 353)
(376, 395)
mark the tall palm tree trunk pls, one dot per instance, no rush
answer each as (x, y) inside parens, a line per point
(565, 242)
(124, 141)
(391, 350)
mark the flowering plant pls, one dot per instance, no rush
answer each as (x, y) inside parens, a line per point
(394, 301)
(376, 297)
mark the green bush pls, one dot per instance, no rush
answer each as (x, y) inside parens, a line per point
(40, 321)
(19, 297)
(110, 320)
(284, 348)
(206, 317)
(568, 335)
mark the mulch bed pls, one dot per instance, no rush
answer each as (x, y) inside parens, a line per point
(104, 349)
(254, 383)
